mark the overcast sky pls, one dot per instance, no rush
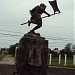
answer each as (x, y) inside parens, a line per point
(58, 29)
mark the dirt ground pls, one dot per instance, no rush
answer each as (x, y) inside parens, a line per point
(60, 71)
(8, 59)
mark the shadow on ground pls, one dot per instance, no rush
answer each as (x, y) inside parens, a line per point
(9, 69)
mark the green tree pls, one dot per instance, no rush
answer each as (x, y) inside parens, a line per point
(62, 52)
(68, 50)
(73, 46)
(68, 47)
(12, 49)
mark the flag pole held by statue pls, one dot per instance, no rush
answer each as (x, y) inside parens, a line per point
(55, 9)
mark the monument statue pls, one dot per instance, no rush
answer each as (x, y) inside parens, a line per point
(32, 51)
(36, 13)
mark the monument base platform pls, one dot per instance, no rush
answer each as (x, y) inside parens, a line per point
(32, 55)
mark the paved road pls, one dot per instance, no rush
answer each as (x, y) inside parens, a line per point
(8, 59)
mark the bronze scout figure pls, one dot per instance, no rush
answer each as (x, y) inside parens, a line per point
(36, 13)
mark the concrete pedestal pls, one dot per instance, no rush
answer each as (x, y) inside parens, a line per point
(32, 55)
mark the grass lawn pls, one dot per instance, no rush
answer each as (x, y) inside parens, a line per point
(69, 62)
(2, 56)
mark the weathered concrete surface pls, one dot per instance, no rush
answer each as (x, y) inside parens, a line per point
(32, 55)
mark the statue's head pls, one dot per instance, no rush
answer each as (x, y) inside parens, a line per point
(42, 6)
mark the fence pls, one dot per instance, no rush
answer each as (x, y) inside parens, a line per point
(59, 60)
(62, 61)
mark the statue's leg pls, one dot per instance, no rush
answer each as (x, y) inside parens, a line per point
(35, 28)
(39, 24)
(36, 19)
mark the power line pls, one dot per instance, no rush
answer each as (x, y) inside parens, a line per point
(11, 31)
(47, 37)
(58, 38)
(67, 27)
(10, 34)
(8, 40)
(62, 27)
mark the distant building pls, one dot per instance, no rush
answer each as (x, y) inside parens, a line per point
(56, 50)
(3, 51)
(0, 50)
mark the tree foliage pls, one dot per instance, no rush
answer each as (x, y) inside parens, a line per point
(68, 47)
(73, 46)
(67, 50)
(12, 49)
